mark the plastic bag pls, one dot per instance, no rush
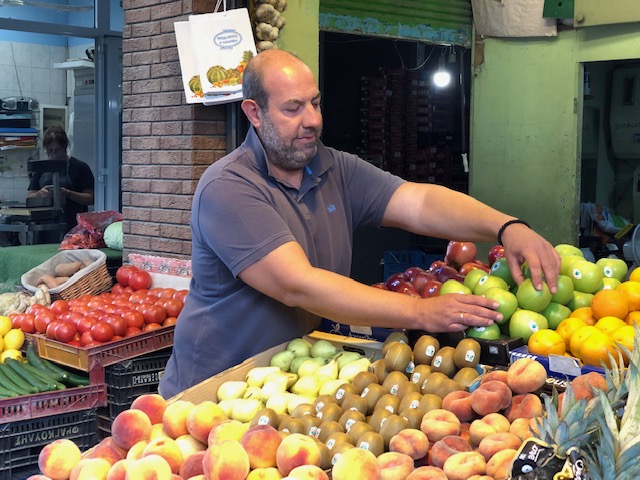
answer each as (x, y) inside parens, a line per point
(89, 233)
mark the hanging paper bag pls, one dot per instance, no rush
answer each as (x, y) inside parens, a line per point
(190, 76)
(223, 44)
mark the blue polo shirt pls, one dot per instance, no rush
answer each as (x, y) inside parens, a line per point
(240, 213)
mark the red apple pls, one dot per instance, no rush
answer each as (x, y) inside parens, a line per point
(420, 279)
(447, 272)
(430, 289)
(495, 252)
(436, 265)
(404, 286)
(459, 253)
(394, 278)
(380, 285)
(412, 272)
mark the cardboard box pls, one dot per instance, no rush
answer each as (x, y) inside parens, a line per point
(378, 334)
(207, 389)
(557, 366)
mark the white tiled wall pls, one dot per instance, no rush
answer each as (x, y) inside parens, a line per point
(27, 70)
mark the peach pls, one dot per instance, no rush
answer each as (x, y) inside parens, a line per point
(490, 397)
(189, 445)
(427, 472)
(524, 405)
(192, 465)
(202, 418)
(174, 419)
(226, 461)
(525, 375)
(499, 465)
(227, 430)
(409, 441)
(129, 427)
(491, 423)
(157, 430)
(459, 402)
(151, 466)
(395, 465)
(297, 449)
(57, 459)
(446, 447)
(90, 469)
(356, 463)
(583, 385)
(261, 443)
(152, 404)
(461, 466)
(494, 375)
(480, 477)
(439, 423)
(38, 476)
(308, 472)
(168, 449)
(269, 473)
(135, 452)
(523, 427)
(496, 442)
(118, 470)
(107, 450)
(109, 441)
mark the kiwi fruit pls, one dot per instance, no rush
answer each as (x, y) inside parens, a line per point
(406, 387)
(337, 437)
(467, 353)
(371, 441)
(399, 357)
(372, 394)
(325, 456)
(379, 369)
(389, 402)
(266, 416)
(349, 417)
(322, 400)
(410, 400)
(353, 401)
(396, 337)
(432, 382)
(343, 390)
(419, 373)
(393, 381)
(338, 449)
(466, 376)
(329, 412)
(425, 349)
(392, 425)
(413, 417)
(363, 379)
(443, 361)
(327, 428)
(311, 424)
(303, 409)
(377, 417)
(358, 429)
(292, 425)
(429, 401)
(447, 386)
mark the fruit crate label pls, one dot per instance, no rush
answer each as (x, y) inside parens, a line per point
(145, 378)
(48, 435)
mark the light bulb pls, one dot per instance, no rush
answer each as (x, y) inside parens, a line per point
(441, 78)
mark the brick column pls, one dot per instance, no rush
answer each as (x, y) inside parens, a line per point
(166, 144)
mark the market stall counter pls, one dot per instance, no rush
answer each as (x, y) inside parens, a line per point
(14, 261)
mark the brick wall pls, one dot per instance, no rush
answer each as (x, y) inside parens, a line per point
(166, 144)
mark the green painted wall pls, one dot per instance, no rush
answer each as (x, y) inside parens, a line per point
(301, 34)
(526, 120)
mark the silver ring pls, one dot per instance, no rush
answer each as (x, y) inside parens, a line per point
(462, 316)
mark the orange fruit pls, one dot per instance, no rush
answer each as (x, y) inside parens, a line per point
(585, 314)
(546, 342)
(609, 303)
(624, 336)
(609, 324)
(634, 276)
(631, 290)
(567, 327)
(595, 349)
(632, 317)
(579, 337)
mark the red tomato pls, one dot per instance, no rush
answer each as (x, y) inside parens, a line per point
(42, 320)
(155, 292)
(151, 326)
(138, 295)
(181, 294)
(173, 307)
(84, 324)
(35, 308)
(169, 321)
(124, 273)
(117, 289)
(131, 331)
(118, 324)
(134, 318)
(65, 332)
(101, 331)
(27, 324)
(140, 279)
(75, 343)
(51, 330)
(167, 293)
(96, 304)
(86, 338)
(154, 314)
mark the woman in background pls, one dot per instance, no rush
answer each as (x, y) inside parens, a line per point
(76, 182)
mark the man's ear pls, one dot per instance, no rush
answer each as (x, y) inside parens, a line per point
(252, 111)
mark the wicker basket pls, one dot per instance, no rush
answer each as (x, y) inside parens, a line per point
(91, 280)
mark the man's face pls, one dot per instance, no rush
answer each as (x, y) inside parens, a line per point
(290, 128)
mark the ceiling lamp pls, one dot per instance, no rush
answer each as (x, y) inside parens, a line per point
(442, 77)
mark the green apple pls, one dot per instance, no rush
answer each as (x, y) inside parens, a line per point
(524, 323)
(487, 282)
(555, 313)
(564, 249)
(531, 299)
(471, 278)
(613, 268)
(580, 299)
(565, 290)
(566, 263)
(492, 332)
(610, 283)
(454, 286)
(501, 269)
(507, 301)
(586, 276)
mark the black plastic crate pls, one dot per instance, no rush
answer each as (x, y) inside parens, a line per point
(21, 442)
(398, 261)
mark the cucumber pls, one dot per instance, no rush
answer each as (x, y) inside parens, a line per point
(76, 380)
(8, 393)
(58, 374)
(17, 374)
(11, 381)
(45, 378)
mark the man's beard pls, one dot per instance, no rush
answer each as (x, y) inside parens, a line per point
(286, 157)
